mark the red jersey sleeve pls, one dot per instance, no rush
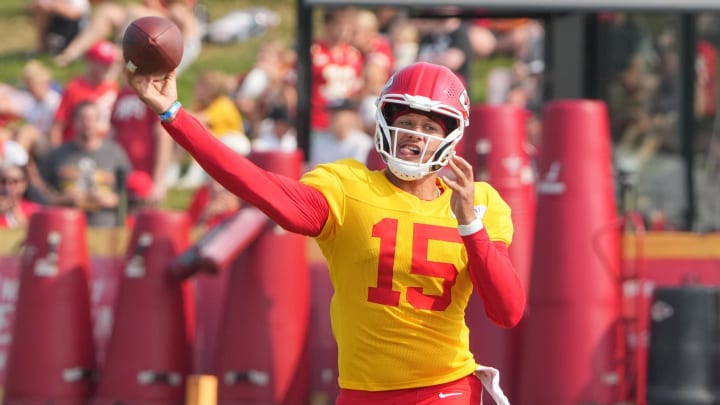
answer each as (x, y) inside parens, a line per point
(495, 278)
(294, 206)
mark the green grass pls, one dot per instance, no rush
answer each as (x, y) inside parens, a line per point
(18, 41)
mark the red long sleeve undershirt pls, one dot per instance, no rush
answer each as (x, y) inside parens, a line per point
(294, 206)
(302, 209)
(495, 279)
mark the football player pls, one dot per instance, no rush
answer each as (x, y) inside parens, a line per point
(406, 246)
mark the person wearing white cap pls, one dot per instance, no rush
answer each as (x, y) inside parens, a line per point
(15, 210)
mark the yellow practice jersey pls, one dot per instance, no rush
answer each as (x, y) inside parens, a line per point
(400, 275)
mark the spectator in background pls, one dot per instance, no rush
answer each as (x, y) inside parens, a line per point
(336, 65)
(265, 84)
(706, 80)
(630, 95)
(387, 16)
(405, 41)
(214, 108)
(520, 82)
(32, 109)
(277, 132)
(43, 99)
(707, 177)
(12, 152)
(667, 95)
(57, 22)
(110, 19)
(137, 129)
(82, 173)
(648, 150)
(378, 65)
(344, 139)
(97, 84)
(446, 42)
(375, 47)
(626, 37)
(15, 210)
(512, 36)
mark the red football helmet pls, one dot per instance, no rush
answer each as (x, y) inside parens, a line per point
(427, 88)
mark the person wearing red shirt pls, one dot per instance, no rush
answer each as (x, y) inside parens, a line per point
(137, 129)
(706, 72)
(336, 66)
(97, 84)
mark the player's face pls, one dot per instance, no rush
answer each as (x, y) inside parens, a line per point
(418, 137)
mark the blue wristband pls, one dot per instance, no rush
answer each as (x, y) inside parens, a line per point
(170, 113)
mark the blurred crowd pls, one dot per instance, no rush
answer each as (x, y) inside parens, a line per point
(89, 143)
(643, 98)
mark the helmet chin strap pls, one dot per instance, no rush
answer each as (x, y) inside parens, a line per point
(407, 172)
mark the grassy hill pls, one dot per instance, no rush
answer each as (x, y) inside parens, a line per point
(18, 40)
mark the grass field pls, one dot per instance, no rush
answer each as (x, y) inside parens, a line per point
(18, 38)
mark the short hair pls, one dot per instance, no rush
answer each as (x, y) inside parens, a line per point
(81, 106)
(34, 69)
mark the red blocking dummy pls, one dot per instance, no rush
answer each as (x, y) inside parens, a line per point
(221, 244)
(322, 346)
(149, 352)
(208, 262)
(495, 145)
(571, 351)
(52, 355)
(261, 356)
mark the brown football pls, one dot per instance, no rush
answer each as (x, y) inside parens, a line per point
(152, 45)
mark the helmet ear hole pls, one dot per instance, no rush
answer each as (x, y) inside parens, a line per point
(450, 123)
(384, 140)
(440, 154)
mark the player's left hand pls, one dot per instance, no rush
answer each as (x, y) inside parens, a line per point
(463, 187)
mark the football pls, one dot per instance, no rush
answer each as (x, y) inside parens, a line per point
(152, 45)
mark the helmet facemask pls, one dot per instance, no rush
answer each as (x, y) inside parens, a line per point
(386, 136)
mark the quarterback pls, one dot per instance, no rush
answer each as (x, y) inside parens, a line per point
(406, 246)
